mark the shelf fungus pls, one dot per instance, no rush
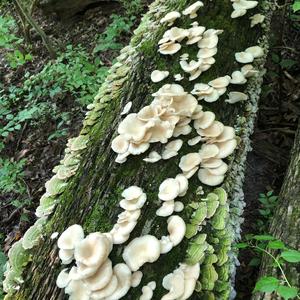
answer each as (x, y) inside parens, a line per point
(256, 19)
(181, 283)
(192, 9)
(240, 7)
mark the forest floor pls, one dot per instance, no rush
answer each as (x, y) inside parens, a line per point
(40, 143)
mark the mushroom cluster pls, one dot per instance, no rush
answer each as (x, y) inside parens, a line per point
(165, 117)
(170, 189)
(249, 54)
(134, 199)
(147, 291)
(182, 282)
(240, 7)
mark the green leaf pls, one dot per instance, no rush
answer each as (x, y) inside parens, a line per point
(264, 237)
(287, 292)
(276, 245)
(241, 245)
(292, 256)
(266, 284)
(296, 6)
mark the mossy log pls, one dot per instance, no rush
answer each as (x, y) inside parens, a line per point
(286, 221)
(91, 196)
(67, 8)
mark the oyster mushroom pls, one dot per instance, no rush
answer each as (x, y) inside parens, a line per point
(234, 97)
(169, 189)
(157, 76)
(256, 19)
(192, 9)
(170, 17)
(244, 57)
(176, 229)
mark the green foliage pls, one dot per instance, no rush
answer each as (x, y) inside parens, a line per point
(108, 40)
(296, 6)
(11, 176)
(132, 7)
(10, 42)
(280, 255)
(3, 261)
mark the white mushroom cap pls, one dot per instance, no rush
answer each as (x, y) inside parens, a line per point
(256, 19)
(175, 284)
(152, 157)
(82, 272)
(63, 279)
(220, 82)
(213, 96)
(175, 34)
(178, 77)
(176, 229)
(166, 209)
(70, 237)
(256, 51)
(228, 133)
(133, 128)
(93, 250)
(189, 161)
(244, 4)
(126, 108)
(208, 151)
(248, 71)
(191, 172)
(134, 203)
(202, 89)
(123, 228)
(137, 149)
(107, 290)
(169, 48)
(192, 9)
(167, 154)
(237, 77)
(101, 278)
(209, 179)
(157, 76)
(195, 34)
(194, 141)
(198, 113)
(77, 290)
(191, 66)
(238, 13)
(209, 41)
(123, 274)
(207, 52)
(169, 189)
(170, 17)
(211, 163)
(178, 206)
(244, 57)
(183, 184)
(119, 238)
(66, 256)
(174, 145)
(136, 278)
(214, 130)
(129, 216)
(235, 97)
(131, 193)
(152, 285)
(120, 144)
(226, 148)
(220, 170)
(182, 130)
(205, 120)
(141, 250)
(147, 293)
(165, 244)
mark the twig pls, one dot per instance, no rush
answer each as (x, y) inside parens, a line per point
(34, 25)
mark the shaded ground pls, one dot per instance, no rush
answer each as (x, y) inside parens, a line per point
(273, 136)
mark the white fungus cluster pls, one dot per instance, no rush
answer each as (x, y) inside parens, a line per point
(134, 199)
(169, 190)
(147, 291)
(249, 54)
(240, 7)
(181, 283)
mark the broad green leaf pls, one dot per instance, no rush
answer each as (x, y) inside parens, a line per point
(266, 284)
(276, 245)
(296, 6)
(287, 292)
(292, 256)
(241, 245)
(264, 237)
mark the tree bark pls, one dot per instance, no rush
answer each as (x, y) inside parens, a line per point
(67, 8)
(91, 196)
(286, 221)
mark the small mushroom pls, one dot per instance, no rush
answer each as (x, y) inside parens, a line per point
(166, 209)
(174, 282)
(70, 237)
(238, 13)
(192, 9)
(107, 290)
(214, 130)
(147, 293)
(183, 184)
(140, 251)
(256, 51)
(169, 48)
(220, 82)
(226, 148)
(205, 120)
(189, 161)
(248, 71)
(176, 229)
(136, 278)
(157, 76)
(207, 52)
(244, 57)
(152, 157)
(170, 17)
(208, 151)
(178, 206)
(120, 144)
(178, 77)
(237, 77)
(77, 290)
(131, 193)
(194, 141)
(209, 179)
(63, 279)
(165, 244)
(169, 189)
(256, 19)
(126, 108)
(234, 97)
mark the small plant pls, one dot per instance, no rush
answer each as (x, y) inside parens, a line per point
(11, 43)
(132, 7)
(266, 244)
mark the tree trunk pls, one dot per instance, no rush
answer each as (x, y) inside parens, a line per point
(286, 221)
(67, 8)
(91, 196)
